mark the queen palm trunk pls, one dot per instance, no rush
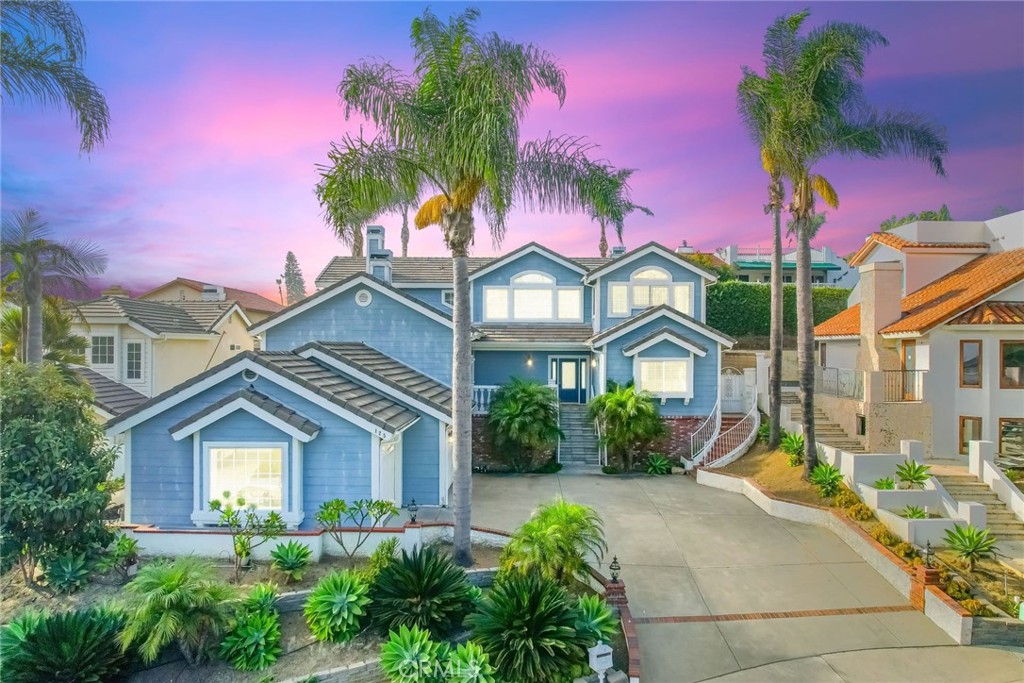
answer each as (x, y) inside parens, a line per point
(459, 233)
(805, 341)
(34, 301)
(602, 246)
(405, 231)
(357, 241)
(775, 371)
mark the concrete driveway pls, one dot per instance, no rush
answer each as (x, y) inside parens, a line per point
(717, 587)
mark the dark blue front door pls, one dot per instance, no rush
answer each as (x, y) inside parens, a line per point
(570, 376)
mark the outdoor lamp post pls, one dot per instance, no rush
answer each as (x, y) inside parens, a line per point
(413, 509)
(615, 568)
(928, 554)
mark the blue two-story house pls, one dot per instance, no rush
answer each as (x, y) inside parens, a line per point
(350, 396)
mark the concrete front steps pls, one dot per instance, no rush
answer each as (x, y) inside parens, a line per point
(580, 444)
(720, 448)
(825, 431)
(1003, 524)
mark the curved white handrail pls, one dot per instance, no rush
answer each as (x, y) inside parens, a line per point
(736, 440)
(704, 436)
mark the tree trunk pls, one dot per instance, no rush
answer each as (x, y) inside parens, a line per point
(602, 246)
(34, 299)
(805, 340)
(357, 241)
(775, 345)
(405, 231)
(459, 235)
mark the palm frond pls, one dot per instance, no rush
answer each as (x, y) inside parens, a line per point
(825, 190)
(431, 212)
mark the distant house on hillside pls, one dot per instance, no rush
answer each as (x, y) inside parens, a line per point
(255, 306)
(754, 264)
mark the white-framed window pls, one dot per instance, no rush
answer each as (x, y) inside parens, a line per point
(533, 296)
(102, 350)
(665, 377)
(647, 287)
(133, 360)
(448, 297)
(254, 472)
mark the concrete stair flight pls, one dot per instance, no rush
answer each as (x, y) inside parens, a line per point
(967, 488)
(825, 431)
(579, 447)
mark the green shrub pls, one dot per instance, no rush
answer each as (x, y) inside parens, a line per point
(975, 607)
(970, 544)
(246, 524)
(795, 459)
(628, 419)
(364, 514)
(596, 619)
(67, 573)
(410, 656)
(253, 642)
(860, 512)
(382, 556)
(913, 474)
(611, 469)
(904, 550)
(885, 484)
(523, 419)
(915, 512)
(527, 626)
(827, 479)
(764, 431)
(120, 556)
(881, 533)
(423, 589)
(178, 602)
(261, 598)
(336, 606)
(291, 559)
(793, 444)
(557, 542)
(845, 498)
(73, 647)
(742, 309)
(468, 663)
(658, 464)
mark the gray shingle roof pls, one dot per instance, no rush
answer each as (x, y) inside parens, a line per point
(573, 334)
(652, 313)
(206, 313)
(110, 396)
(159, 317)
(261, 401)
(388, 370)
(666, 331)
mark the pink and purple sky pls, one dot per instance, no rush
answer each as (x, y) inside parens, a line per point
(220, 112)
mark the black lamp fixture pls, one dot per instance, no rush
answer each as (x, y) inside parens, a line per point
(529, 360)
(928, 554)
(615, 568)
(413, 509)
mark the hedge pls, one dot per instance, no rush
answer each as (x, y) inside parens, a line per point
(743, 309)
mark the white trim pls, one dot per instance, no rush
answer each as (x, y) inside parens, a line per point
(442, 464)
(375, 468)
(364, 378)
(595, 313)
(837, 337)
(602, 366)
(204, 516)
(552, 286)
(529, 346)
(295, 502)
(246, 405)
(672, 339)
(126, 450)
(665, 252)
(421, 285)
(687, 393)
(141, 328)
(360, 280)
(643, 319)
(531, 248)
(198, 504)
(187, 336)
(451, 291)
(227, 316)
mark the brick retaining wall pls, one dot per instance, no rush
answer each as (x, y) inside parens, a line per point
(485, 456)
(677, 443)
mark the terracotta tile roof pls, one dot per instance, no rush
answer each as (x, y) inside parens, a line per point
(993, 313)
(249, 301)
(899, 244)
(952, 295)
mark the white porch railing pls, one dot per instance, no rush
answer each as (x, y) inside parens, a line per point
(734, 441)
(704, 437)
(482, 396)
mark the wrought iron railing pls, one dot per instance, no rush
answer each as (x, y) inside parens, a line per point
(899, 386)
(841, 382)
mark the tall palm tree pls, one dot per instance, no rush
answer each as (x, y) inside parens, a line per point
(44, 45)
(819, 110)
(451, 129)
(32, 265)
(619, 205)
(60, 344)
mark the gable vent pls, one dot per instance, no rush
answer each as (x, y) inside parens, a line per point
(363, 297)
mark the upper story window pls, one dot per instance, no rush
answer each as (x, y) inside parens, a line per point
(102, 351)
(133, 360)
(448, 297)
(1011, 364)
(970, 364)
(533, 296)
(649, 287)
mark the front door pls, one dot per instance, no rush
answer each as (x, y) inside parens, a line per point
(570, 379)
(909, 363)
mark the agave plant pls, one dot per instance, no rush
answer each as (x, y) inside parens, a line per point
(254, 640)
(658, 464)
(557, 541)
(913, 474)
(596, 619)
(336, 606)
(885, 484)
(423, 589)
(262, 598)
(793, 444)
(73, 647)
(67, 573)
(468, 663)
(970, 544)
(915, 512)
(827, 479)
(410, 656)
(291, 559)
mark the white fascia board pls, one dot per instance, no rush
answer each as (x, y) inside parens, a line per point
(672, 339)
(727, 343)
(227, 316)
(141, 328)
(554, 347)
(361, 280)
(377, 385)
(837, 337)
(188, 336)
(421, 285)
(529, 249)
(247, 406)
(617, 263)
(903, 335)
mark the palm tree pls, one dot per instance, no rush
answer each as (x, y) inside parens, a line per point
(44, 45)
(33, 265)
(619, 205)
(60, 344)
(451, 129)
(818, 109)
(627, 419)
(523, 418)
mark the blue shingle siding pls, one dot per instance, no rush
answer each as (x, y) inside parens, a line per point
(429, 296)
(385, 324)
(501, 276)
(679, 274)
(705, 369)
(420, 444)
(498, 367)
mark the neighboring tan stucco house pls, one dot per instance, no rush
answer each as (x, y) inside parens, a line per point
(932, 345)
(151, 346)
(255, 306)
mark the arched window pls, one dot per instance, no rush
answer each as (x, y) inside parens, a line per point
(535, 297)
(649, 286)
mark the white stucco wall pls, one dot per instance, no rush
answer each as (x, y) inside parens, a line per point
(921, 269)
(841, 353)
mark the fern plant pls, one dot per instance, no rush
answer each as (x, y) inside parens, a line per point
(885, 484)
(67, 573)
(915, 512)
(827, 479)
(596, 619)
(336, 606)
(970, 544)
(290, 559)
(913, 474)
(423, 589)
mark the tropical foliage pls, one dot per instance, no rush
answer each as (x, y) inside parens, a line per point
(596, 619)
(60, 344)
(336, 606)
(67, 573)
(895, 221)
(658, 464)
(53, 459)
(179, 602)
(523, 418)
(970, 544)
(616, 206)
(627, 421)
(885, 484)
(914, 512)
(913, 474)
(122, 554)
(423, 589)
(246, 525)
(360, 517)
(827, 479)
(410, 656)
(290, 559)
(253, 640)
(557, 542)
(381, 557)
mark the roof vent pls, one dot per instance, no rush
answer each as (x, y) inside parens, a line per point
(618, 250)
(116, 290)
(213, 293)
(249, 376)
(684, 248)
(363, 297)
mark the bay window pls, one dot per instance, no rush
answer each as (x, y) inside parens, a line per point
(649, 287)
(665, 377)
(252, 473)
(533, 296)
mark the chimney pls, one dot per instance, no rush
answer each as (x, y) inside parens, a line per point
(881, 290)
(684, 248)
(213, 293)
(116, 290)
(618, 250)
(378, 259)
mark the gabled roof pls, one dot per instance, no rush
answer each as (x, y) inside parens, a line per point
(942, 300)
(211, 313)
(109, 396)
(650, 314)
(536, 333)
(250, 301)
(649, 248)
(364, 279)
(660, 335)
(900, 244)
(992, 313)
(529, 248)
(369, 363)
(156, 317)
(253, 402)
